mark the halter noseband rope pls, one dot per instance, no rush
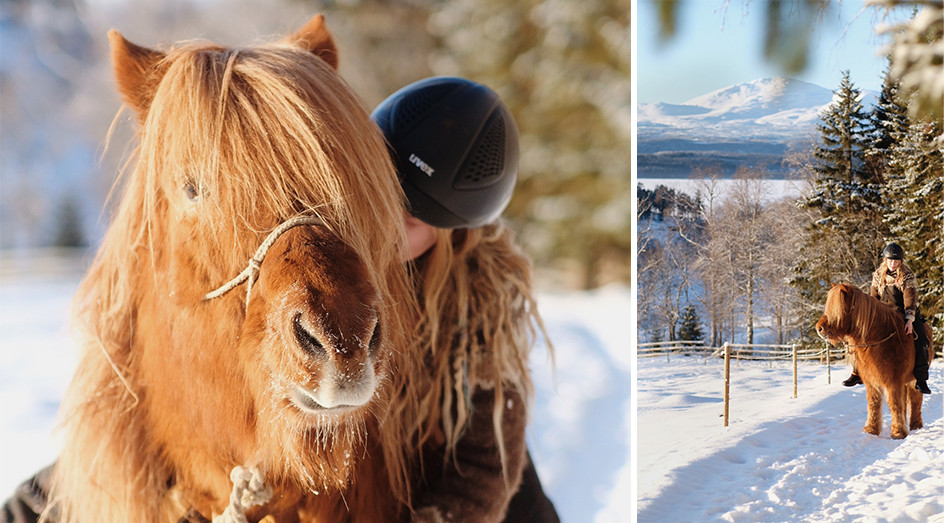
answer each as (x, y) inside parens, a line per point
(255, 263)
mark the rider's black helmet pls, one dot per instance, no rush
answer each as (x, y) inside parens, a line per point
(893, 251)
(455, 146)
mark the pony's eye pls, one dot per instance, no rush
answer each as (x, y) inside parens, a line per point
(190, 189)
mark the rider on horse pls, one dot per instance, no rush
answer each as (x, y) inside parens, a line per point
(894, 284)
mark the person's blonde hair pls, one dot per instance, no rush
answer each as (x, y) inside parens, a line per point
(479, 322)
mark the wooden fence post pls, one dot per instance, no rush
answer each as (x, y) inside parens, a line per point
(727, 380)
(794, 371)
(829, 377)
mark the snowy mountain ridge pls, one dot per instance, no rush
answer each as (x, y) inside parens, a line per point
(752, 124)
(780, 109)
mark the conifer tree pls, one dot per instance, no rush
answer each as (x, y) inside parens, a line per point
(915, 219)
(843, 132)
(888, 119)
(845, 200)
(690, 327)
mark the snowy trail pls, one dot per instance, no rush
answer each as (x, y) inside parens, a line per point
(782, 459)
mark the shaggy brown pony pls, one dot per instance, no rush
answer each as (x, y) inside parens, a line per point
(875, 333)
(173, 390)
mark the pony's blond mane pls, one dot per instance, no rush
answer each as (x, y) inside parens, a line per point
(861, 315)
(262, 134)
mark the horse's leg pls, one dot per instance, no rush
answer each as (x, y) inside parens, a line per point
(896, 396)
(916, 399)
(873, 423)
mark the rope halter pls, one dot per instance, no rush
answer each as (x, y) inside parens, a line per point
(250, 273)
(249, 490)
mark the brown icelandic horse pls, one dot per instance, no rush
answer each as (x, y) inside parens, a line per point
(884, 354)
(261, 154)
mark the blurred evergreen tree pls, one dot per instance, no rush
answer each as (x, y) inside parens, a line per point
(69, 231)
(563, 68)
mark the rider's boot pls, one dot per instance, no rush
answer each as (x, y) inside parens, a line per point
(921, 360)
(852, 380)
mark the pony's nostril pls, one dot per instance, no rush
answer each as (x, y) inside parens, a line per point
(374, 343)
(308, 342)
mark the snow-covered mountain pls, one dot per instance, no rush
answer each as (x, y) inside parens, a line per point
(752, 123)
(771, 107)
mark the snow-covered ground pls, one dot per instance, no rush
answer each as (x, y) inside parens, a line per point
(780, 459)
(580, 432)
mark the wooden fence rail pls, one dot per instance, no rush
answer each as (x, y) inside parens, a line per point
(740, 351)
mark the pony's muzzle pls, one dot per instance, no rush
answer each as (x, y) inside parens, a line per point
(346, 376)
(332, 393)
(821, 328)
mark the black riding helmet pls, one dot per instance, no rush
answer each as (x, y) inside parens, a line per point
(455, 146)
(893, 251)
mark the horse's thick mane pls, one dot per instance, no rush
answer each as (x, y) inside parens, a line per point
(865, 317)
(260, 134)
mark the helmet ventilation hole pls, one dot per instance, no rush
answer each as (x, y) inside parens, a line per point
(486, 160)
(415, 106)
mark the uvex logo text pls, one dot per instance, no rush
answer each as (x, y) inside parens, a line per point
(415, 160)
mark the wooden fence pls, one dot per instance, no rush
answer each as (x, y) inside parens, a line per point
(738, 351)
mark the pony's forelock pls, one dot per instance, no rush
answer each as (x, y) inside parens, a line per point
(263, 134)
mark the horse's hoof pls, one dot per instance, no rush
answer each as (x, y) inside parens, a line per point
(870, 430)
(899, 434)
(916, 426)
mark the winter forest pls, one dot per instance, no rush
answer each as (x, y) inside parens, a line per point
(716, 269)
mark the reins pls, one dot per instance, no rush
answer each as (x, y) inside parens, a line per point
(255, 263)
(867, 345)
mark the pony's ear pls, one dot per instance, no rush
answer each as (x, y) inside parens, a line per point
(316, 38)
(138, 71)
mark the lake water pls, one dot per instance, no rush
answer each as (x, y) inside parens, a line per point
(774, 189)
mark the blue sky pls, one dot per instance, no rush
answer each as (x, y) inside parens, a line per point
(720, 43)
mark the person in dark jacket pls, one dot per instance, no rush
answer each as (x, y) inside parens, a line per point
(894, 284)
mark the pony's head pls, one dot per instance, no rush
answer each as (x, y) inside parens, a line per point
(851, 312)
(174, 389)
(835, 321)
